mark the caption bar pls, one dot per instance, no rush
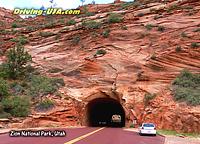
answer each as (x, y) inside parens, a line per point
(49, 11)
(39, 133)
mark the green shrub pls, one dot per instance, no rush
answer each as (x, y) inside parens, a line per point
(106, 33)
(183, 34)
(126, 5)
(4, 89)
(101, 52)
(30, 29)
(71, 22)
(14, 40)
(132, 126)
(172, 7)
(1, 108)
(54, 70)
(31, 70)
(61, 21)
(194, 45)
(40, 86)
(94, 34)
(89, 14)
(186, 87)
(178, 49)
(188, 7)
(136, 4)
(3, 31)
(85, 9)
(115, 18)
(17, 61)
(45, 105)
(2, 23)
(91, 24)
(13, 31)
(50, 25)
(3, 71)
(17, 106)
(190, 95)
(16, 88)
(14, 25)
(22, 40)
(157, 17)
(76, 40)
(148, 97)
(46, 34)
(161, 28)
(187, 79)
(149, 26)
(59, 82)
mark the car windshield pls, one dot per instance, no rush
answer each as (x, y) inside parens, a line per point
(148, 125)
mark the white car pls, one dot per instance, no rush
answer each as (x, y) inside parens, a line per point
(147, 128)
(116, 118)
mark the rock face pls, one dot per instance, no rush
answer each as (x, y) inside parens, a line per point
(117, 1)
(7, 16)
(6, 19)
(141, 57)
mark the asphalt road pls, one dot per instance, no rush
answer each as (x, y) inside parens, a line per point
(87, 136)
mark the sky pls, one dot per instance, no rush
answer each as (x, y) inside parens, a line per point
(65, 4)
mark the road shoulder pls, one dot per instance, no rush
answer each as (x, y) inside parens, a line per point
(181, 140)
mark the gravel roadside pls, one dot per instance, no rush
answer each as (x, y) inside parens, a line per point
(179, 140)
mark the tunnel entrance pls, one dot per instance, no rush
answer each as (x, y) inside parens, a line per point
(100, 113)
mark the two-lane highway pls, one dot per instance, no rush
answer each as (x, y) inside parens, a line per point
(87, 136)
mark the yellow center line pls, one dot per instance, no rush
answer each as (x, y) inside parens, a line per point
(82, 137)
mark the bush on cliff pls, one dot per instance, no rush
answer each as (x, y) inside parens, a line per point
(186, 87)
(148, 97)
(17, 61)
(41, 85)
(17, 106)
(4, 89)
(20, 40)
(1, 108)
(45, 105)
(15, 25)
(91, 24)
(115, 18)
(71, 22)
(19, 81)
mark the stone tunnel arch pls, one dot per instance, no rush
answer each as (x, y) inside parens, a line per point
(99, 112)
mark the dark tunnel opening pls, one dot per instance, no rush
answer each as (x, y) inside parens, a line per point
(100, 113)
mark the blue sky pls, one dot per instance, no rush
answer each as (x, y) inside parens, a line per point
(65, 4)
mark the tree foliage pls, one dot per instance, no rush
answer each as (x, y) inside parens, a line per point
(4, 89)
(186, 87)
(17, 106)
(17, 61)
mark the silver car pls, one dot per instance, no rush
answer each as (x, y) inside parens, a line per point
(147, 128)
